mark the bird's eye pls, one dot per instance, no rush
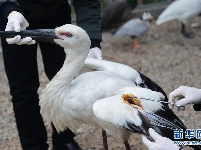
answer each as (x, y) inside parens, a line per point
(67, 34)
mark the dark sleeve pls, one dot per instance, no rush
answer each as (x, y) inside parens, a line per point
(88, 18)
(6, 8)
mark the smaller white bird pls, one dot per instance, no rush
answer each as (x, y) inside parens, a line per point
(181, 10)
(135, 27)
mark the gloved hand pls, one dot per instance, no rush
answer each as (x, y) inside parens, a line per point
(95, 53)
(161, 143)
(190, 95)
(17, 22)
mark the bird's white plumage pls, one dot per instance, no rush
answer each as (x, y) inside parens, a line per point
(181, 10)
(121, 69)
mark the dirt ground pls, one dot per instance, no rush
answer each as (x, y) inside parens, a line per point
(165, 56)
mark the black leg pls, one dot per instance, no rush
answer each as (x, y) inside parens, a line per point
(105, 146)
(185, 32)
(127, 145)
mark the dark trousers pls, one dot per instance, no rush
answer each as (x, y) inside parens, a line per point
(22, 73)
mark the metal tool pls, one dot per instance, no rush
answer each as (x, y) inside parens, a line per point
(179, 107)
(45, 35)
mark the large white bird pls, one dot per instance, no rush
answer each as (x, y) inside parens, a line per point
(183, 11)
(135, 27)
(68, 102)
(101, 98)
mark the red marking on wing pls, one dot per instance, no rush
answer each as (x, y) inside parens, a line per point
(131, 100)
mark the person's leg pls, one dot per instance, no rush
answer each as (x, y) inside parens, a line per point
(22, 73)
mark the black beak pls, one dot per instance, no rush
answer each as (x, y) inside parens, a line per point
(44, 35)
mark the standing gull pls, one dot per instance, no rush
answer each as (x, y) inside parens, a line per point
(135, 27)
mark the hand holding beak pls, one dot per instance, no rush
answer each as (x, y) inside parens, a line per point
(17, 22)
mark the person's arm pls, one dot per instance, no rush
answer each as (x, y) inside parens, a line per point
(6, 7)
(186, 95)
(88, 17)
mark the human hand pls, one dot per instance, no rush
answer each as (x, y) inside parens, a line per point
(95, 53)
(17, 22)
(161, 143)
(187, 95)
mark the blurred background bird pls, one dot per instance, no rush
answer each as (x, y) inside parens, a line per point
(112, 14)
(181, 10)
(135, 27)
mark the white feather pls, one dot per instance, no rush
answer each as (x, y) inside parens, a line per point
(121, 69)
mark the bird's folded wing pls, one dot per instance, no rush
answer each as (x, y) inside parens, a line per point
(132, 116)
(160, 121)
(114, 110)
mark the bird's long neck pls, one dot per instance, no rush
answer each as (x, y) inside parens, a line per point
(72, 65)
(56, 94)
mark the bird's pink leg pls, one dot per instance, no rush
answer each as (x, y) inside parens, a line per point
(105, 146)
(135, 43)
